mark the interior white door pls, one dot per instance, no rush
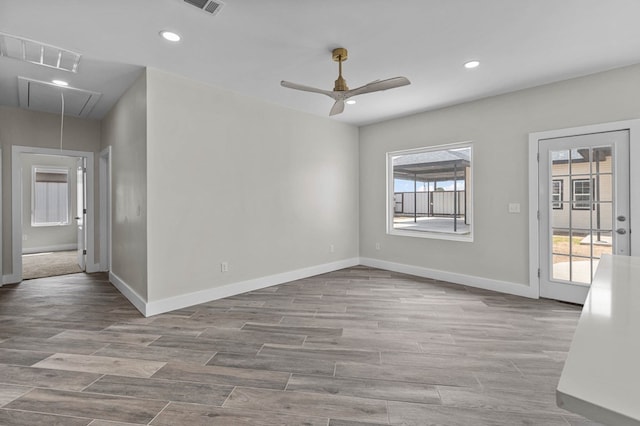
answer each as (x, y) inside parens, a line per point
(584, 209)
(81, 211)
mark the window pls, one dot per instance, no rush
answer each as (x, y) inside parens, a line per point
(430, 192)
(556, 194)
(50, 200)
(581, 194)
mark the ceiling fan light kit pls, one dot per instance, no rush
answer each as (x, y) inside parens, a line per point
(341, 91)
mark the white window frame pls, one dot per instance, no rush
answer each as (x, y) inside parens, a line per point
(579, 204)
(49, 169)
(390, 199)
(557, 197)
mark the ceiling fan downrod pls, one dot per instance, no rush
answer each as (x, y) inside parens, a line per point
(339, 55)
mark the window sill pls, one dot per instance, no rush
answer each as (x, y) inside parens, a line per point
(48, 225)
(466, 237)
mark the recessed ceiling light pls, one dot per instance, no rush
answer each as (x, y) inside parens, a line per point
(60, 82)
(471, 64)
(351, 101)
(170, 36)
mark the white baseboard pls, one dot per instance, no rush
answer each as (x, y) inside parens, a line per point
(10, 279)
(91, 268)
(195, 298)
(190, 299)
(452, 277)
(58, 247)
(133, 297)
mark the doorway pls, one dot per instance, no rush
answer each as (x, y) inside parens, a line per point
(52, 224)
(105, 209)
(583, 207)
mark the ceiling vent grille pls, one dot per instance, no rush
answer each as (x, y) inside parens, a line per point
(38, 53)
(210, 6)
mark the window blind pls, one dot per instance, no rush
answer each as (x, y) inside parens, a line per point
(51, 177)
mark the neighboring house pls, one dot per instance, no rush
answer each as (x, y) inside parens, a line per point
(581, 193)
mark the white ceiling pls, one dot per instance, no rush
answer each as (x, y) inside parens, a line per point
(253, 44)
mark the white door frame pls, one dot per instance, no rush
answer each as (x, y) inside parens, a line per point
(633, 126)
(104, 181)
(16, 204)
(81, 211)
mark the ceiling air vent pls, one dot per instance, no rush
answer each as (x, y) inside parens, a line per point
(38, 53)
(210, 6)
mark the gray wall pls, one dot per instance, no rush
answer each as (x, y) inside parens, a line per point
(125, 130)
(38, 238)
(269, 189)
(235, 179)
(499, 127)
(37, 129)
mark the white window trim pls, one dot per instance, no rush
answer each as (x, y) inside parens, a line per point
(49, 169)
(575, 202)
(557, 204)
(390, 200)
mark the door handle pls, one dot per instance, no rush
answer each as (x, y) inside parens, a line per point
(621, 231)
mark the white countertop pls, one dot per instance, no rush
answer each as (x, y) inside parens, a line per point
(601, 376)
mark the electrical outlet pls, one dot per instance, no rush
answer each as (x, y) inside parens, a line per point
(332, 248)
(514, 207)
(224, 267)
(377, 246)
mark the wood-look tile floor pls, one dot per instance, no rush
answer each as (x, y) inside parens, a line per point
(354, 347)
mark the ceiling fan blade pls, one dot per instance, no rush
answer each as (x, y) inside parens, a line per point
(338, 107)
(296, 86)
(378, 85)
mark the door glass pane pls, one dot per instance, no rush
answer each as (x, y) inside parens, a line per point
(559, 163)
(603, 187)
(602, 160)
(601, 243)
(602, 216)
(560, 241)
(580, 217)
(581, 270)
(581, 243)
(561, 270)
(580, 161)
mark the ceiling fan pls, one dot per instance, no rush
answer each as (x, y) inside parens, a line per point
(341, 92)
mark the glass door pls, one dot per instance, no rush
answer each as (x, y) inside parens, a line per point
(584, 209)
